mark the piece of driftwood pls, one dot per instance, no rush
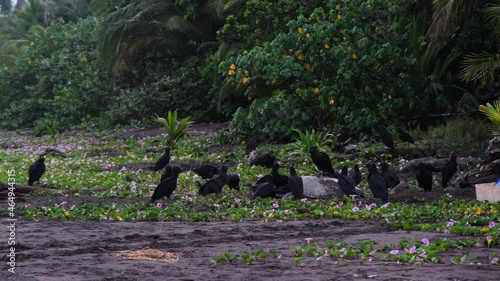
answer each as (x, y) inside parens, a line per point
(472, 180)
(19, 197)
(24, 189)
(56, 152)
(20, 188)
(410, 168)
(262, 158)
(408, 152)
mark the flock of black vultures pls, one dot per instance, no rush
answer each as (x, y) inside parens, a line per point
(275, 183)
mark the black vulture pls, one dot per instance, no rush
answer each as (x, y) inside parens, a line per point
(36, 170)
(343, 135)
(346, 183)
(356, 175)
(279, 180)
(404, 136)
(390, 177)
(424, 176)
(252, 143)
(449, 169)
(167, 186)
(322, 161)
(265, 189)
(284, 189)
(386, 137)
(167, 173)
(233, 181)
(295, 184)
(214, 184)
(206, 171)
(162, 162)
(377, 184)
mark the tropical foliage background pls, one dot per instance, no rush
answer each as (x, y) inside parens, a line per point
(266, 66)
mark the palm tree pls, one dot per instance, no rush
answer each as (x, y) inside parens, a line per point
(29, 13)
(146, 24)
(449, 14)
(484, 66)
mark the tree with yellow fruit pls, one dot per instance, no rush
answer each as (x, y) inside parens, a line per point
(348, 63)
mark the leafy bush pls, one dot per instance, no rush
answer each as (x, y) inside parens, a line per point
(55, 77)
(349, 63)
(183, 86)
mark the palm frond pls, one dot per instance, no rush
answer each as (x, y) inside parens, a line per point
(220, 8)
(492, 16)
(480, 67)
(141, 24)
(307, 139)
(448, 12)
(175, 128)
(491, 111)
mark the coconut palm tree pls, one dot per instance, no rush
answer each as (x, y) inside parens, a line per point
(484, 66)
(449, 14)
(145, 24)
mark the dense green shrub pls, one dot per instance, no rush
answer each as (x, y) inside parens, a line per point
(183, 87)
(348, 63)
(55, 77)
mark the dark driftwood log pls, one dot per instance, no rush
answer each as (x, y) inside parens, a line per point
(471, 179)
(409, 169)
(56, 152)
(23, 189)
(262, 158)
(20, 188)
(408, 152)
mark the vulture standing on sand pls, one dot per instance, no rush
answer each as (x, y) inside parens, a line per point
(322, 161)
(449, 169)
(166, 187)
(36, 170)
(162, 162)
(377, 184)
